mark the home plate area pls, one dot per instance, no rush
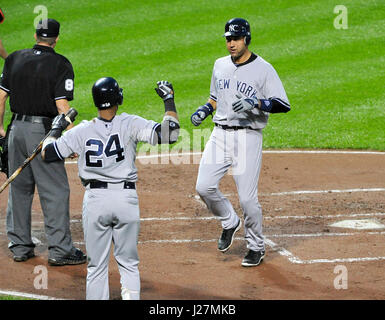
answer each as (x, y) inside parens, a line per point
(322, 211)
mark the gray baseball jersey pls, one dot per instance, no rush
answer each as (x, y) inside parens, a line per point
(257, 79)
(107, 150)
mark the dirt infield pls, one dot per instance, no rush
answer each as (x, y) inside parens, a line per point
(301, 195)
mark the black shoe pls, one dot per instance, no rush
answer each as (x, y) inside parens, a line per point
(23, 257)
(227, 237)
(253, 258)
(75, 257)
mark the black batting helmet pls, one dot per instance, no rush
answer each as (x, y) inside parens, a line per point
(237, 27)
(106, 93)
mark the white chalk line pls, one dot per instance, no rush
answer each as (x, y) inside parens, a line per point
(300, 192)
(349, 215)
(27, 295)
(287, 235)
(182, 154)
(324, 191)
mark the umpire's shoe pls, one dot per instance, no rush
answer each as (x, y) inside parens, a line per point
(253, 258)
(75, 257)
(227, 237)
(23, 257)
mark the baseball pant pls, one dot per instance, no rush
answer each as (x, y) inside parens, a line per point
(111, 216)
(52, 185)
(240, 151)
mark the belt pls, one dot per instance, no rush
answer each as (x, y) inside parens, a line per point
(34, 119)
(224, 127)
(105, 185)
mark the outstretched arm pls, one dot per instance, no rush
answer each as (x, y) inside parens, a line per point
(168, 130)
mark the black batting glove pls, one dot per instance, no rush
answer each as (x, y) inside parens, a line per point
(165, 90)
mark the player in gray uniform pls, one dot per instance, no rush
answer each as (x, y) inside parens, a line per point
(106, 147)
(244, 90)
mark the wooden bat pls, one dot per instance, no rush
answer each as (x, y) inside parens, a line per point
(70, 117)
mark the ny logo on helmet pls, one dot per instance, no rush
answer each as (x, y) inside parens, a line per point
(233, 27)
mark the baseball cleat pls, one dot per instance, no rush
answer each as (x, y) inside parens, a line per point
(75, 257)
(227, 237)
(253, 258)
(23, 257)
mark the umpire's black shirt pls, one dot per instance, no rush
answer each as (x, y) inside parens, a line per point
(35, 78)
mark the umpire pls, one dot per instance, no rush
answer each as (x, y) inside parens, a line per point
(39, 83)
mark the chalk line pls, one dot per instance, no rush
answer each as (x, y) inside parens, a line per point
(181, 154)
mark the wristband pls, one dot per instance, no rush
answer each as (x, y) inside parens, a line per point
(266, 105)
(169, 105)
(210, 107)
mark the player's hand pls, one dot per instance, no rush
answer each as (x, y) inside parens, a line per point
(202, 113)
(244, 104)
(165, 90)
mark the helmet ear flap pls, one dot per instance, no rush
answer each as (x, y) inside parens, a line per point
(120, 96)
(247, 40)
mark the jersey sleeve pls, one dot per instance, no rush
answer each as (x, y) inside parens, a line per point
(273, 87)
(68, 143)
(143, 130)
(64, 88)
(4, 81)
(213, 87)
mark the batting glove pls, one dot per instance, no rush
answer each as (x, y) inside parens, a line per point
(165, 90)
(244, 104)
(202, 113)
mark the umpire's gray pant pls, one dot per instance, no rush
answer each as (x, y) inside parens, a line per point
(52, 185)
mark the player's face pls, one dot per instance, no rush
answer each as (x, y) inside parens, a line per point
(236, 47)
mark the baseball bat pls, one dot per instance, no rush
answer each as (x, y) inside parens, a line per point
(70, 117)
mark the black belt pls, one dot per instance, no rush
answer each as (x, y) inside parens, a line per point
(34, 119)
(104, 185)
(224, 127)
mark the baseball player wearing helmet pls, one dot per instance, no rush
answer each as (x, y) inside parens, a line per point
(106, 147)
(244, 90)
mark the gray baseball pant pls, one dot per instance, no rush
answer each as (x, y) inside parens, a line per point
(111, 216)
(240, 150)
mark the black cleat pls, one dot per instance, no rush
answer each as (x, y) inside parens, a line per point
(227, 237)
(75, 257)
(23, 257)
(253, 258)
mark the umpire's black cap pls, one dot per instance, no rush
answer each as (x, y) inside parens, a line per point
(48, 28)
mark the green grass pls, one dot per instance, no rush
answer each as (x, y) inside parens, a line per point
(334, 78)
(7, 297)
